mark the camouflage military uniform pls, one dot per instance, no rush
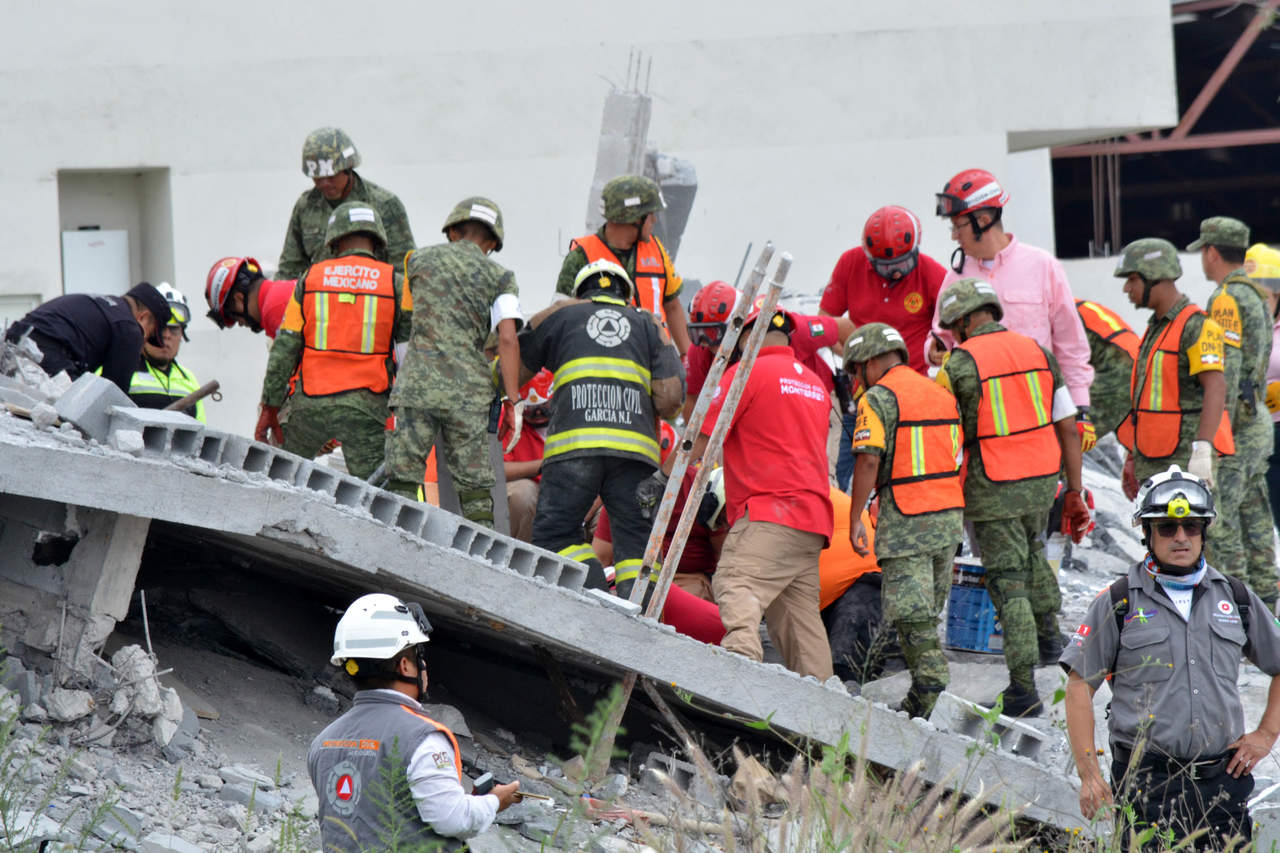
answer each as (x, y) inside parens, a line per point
(577, 259)
(1240, 543)
(304, 241)
(356, 418)
(445, 385)
(915, 553)
(1109, 393)
(1009, 521)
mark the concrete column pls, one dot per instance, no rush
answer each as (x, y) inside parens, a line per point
(623, 132)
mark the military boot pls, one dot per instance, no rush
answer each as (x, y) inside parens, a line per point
(1021, 701)
(919, 703)
(1050, 638)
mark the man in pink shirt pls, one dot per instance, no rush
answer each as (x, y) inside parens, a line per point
(1030, 282)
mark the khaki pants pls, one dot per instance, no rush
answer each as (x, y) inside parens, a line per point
(695, 583)
(522, 503)
(770, 570)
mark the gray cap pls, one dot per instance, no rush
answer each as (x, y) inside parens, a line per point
(1221, 231)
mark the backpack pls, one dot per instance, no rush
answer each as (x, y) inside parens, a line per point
(1120, 607)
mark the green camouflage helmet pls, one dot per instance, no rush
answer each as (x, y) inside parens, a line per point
(1152, 258)
(328, 151)
(355, 217)
(870, 340)
(630, 198)
(961, 298)
(477, 209)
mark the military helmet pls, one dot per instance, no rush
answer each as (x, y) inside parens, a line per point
(870, 340)
(961, 298)
(328, 151)
(477, 209)
(1173, 494)
(603, 277)
(628, 199)
(1152, 258)
(355, 217)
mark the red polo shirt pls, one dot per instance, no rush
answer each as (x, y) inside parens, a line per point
(775, 454)
(859, 290)
(812, 333)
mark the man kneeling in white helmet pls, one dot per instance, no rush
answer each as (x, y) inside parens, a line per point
(363, 763)
(1170, 636)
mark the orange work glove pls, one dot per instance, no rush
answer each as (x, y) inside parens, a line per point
(1088, 434)
(268, 428)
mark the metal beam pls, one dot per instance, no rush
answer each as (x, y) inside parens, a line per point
(1229, 62)
(1202, 6)
(1228, 139)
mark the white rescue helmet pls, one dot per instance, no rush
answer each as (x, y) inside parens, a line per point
(604, 277)
(378, 627)
(1173, 494)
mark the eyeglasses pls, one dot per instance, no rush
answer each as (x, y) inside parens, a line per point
(1169, 529)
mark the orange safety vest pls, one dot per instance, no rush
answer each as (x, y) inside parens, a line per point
(925, 476)
(1016, 437)
(651, 272)
(348, 317)
(1107, 325)
(1158, 413)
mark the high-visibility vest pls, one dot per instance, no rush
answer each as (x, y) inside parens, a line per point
(348, 318)
(1106, 324)
(1015, 435)
(650, 278)
(1154, 423)
(925, 475)
(153, 388)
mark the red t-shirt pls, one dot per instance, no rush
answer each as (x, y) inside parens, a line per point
(811, 334)
(698, 555)
(273, 298)
(775, 453)
(857, 289)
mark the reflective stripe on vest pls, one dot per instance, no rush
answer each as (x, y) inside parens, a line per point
(1015, 437)
(650, 275)
(1106, 324)
(603, 438)
(173, 387)
(927, 447)
(348, 318)
(447, 732)
(1155, 422)
(602, 368)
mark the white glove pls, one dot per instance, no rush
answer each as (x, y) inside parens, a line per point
(1201, 463)
(514, 413)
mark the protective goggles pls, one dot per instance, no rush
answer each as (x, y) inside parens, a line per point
(895, 269)
(707, 334)
(950, 205)
(415, 610)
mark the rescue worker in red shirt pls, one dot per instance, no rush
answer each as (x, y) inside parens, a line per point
(344, 322)
(777, 505)
(631, 204)
(240, 295)
(885, 280)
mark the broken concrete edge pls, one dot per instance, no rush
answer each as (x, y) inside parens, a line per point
(452, 581)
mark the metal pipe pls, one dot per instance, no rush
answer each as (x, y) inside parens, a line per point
(1227, 139)
(716, 441)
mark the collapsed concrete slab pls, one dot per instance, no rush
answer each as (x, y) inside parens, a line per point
(336, 531)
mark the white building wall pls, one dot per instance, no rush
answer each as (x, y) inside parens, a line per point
(800, 119)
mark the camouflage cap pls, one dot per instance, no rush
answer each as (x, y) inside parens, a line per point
(1152, 258)
(1262, 264)
(630, 198)
(477, 209)
(328, 151)
(1221, 231)
(355, 217)
(961, 298)
(870, 340)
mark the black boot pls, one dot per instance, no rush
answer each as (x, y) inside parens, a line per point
(1051, 648)
(1021, 701)
(919, 703)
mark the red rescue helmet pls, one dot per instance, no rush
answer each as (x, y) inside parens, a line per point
(970, 190)
(536, 394)
(667, 439)
(710, 310)
(221, 281)
(781, 320)
(891, 240)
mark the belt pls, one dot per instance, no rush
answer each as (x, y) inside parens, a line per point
(1205, 767)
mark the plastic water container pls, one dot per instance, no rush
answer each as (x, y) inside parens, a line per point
(971, 617)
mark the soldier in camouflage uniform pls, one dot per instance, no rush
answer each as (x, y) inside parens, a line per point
(445, 385)
(1150, 268)
(1019, 430)
(1111, 347)
(338, 335)
(921, 515)
(329, 159)
(1241, 543)
(631, 204)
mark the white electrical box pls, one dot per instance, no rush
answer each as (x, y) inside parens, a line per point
(95, 262)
